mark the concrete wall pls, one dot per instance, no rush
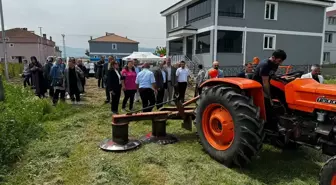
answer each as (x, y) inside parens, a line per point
(106, 47)
(291, 17)
(301, 50)
(181, 20)
(27, 50)
(331, 47)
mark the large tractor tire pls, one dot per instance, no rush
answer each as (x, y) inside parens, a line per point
(328, 172)
(228, 126)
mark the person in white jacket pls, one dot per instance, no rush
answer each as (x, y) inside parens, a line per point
(315, 74)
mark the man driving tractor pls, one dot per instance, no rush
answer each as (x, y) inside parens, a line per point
(263, 73)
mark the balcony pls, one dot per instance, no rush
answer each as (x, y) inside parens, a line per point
(182, 32)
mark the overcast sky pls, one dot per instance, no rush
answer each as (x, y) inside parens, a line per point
(139, 20)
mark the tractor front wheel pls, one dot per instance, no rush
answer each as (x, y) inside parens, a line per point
(328, 172)
(228, 125)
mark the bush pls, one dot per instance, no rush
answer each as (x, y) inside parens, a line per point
(20, 122)
(14, 69)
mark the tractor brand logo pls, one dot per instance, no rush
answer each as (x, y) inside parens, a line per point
(325, 100)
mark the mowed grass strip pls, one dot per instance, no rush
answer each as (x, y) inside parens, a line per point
(70, 154)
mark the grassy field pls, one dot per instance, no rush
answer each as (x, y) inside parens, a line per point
(69, 154)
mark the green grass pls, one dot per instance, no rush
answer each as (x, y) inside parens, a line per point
(333, 81)
(69, 154)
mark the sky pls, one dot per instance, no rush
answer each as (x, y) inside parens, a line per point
(139, 20)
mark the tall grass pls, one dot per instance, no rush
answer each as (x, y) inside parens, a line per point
(20, 121)
(14, 69)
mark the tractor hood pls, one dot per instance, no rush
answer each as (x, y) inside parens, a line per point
(308, 95)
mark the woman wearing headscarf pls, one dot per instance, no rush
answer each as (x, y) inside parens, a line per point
(114, 85)
(36, 70)
(73, 75)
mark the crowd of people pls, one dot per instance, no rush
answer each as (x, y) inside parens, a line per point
(55, 78)
(155, 87)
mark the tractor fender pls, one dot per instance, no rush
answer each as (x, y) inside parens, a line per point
(252, 88)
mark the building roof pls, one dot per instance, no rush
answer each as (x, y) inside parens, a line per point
(111, 37)
(22, 35)
(331, 13)
(172, 6)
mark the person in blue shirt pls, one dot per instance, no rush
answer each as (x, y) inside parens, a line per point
(145, 81)
(57, 80)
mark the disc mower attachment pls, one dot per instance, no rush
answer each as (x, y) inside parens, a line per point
(120, 141)
(159, 134)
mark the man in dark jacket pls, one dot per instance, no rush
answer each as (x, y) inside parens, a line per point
(248, 71)
(171, 80)
(161, 76)
(47, 77)
(105, 74)
(99, 74)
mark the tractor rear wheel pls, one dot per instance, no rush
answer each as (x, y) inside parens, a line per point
(328, 172)
(228, 125)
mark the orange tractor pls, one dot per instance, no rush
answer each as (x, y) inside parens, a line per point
(231, 119)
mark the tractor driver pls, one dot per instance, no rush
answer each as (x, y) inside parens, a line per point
(264, 72)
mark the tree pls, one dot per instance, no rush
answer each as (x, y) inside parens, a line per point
(87, 52)
(160, 51)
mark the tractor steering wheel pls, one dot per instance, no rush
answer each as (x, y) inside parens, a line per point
(293, 76)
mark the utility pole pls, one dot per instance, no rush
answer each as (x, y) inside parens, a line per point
(40, 47)
(4, 39)
(64, 51)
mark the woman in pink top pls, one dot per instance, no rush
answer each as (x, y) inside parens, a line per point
(128, 84)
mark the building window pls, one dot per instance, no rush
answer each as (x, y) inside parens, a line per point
(332, 20)
(176, 47)
(230, 41)
(326, 57)
(198, 11)
(271, 10)
(269, 42)
(174, 20)
(11, 45)
(231, 8)
(328, 37)
(203, 43)
(114, 46)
